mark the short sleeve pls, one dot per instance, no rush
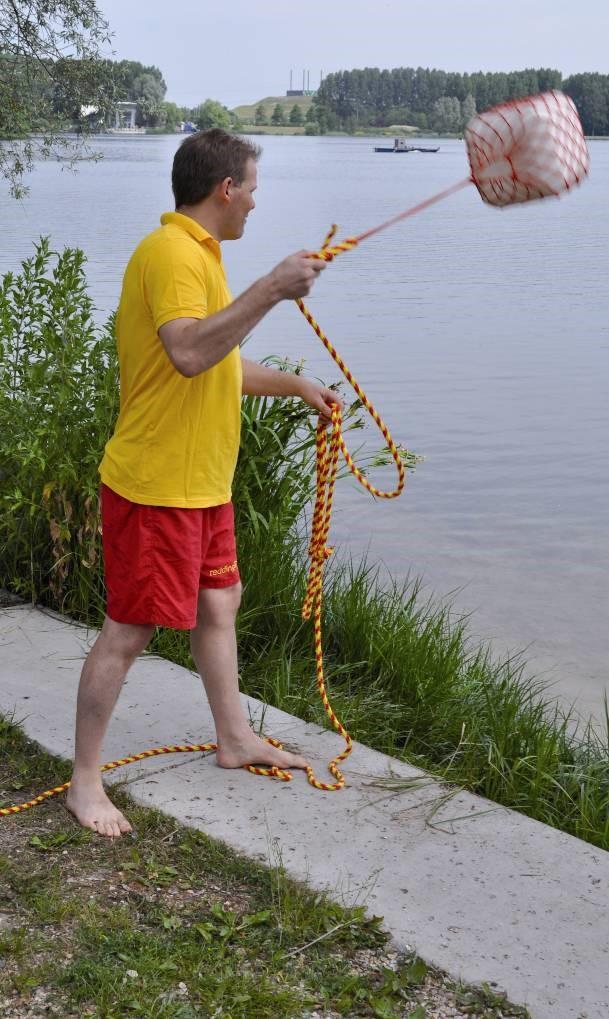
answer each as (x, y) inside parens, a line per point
(175, 284)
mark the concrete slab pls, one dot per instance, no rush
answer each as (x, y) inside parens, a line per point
(481, 891)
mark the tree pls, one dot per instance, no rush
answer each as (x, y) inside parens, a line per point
(446, 114)
(296, 116)
(398, 115)
(468, 109)
(211, 114)
(260, 116)
(170, 116)
(590, 93)
(52, 76)
(148, 92)
(278, 118)
(144, 85)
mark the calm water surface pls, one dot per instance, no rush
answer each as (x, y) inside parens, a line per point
(481, 335)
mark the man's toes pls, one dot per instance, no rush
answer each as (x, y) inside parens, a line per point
(124, 825)
(105, 828)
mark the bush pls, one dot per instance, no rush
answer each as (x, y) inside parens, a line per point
(58, 402)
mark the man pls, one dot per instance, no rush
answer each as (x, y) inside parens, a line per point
(169, 544)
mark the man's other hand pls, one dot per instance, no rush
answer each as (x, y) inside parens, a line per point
(319, 398)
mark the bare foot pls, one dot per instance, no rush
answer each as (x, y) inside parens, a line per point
(253, 750)
(92, 809)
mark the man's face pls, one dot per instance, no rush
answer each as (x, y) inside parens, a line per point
(241, 203)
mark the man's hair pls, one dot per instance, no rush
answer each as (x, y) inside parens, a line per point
(206, 158)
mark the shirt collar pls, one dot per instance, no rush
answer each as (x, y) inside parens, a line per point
(190, 226)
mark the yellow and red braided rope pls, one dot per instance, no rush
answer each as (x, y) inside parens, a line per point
(187, 748)
(319, 552)
(327, 465)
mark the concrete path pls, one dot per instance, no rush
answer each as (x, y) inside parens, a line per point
(481, 891)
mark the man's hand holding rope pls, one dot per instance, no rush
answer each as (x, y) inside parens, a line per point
(319, 398)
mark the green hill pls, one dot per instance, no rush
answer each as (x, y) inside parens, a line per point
(247, 114)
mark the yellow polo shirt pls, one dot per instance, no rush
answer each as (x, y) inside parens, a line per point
(176, 439)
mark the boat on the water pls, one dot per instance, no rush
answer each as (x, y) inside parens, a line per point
(400, 145)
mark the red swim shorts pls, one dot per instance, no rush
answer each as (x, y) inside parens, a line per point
(157, 557)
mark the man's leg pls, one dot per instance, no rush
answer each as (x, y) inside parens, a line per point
(103, 673)
(214, 649)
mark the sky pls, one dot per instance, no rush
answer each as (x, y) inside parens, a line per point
(243, 50)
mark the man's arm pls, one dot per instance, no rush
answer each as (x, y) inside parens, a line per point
(194, 345)
(261, 381)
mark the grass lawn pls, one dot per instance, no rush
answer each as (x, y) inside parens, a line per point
(173, 924)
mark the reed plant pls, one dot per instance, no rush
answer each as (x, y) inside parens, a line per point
(404, 675)
(58, 401)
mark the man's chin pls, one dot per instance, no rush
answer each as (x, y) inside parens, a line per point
(235, 236)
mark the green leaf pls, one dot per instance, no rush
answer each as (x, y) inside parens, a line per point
(206, 930)
(415, 973)
(172, 923)
(52, 842)
(254, 919)
(384, 1008)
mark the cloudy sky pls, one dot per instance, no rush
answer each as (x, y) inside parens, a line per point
(243, 50)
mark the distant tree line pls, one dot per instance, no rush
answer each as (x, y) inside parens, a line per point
(278, 118)
(146, 87)
(60, 93)
(431, 99)
(136, 83)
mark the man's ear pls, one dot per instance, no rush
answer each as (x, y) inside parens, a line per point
(224, 188)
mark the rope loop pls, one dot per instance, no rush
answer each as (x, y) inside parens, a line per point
(328, 252)
(327, 451)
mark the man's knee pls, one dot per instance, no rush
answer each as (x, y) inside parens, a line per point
(219, 606)
(126, 640)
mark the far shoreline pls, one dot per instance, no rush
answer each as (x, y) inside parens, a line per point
(271, 131)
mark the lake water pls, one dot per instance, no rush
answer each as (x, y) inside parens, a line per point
(481, 336)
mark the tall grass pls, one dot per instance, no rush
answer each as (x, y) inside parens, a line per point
(404, 675)
(58, 401)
